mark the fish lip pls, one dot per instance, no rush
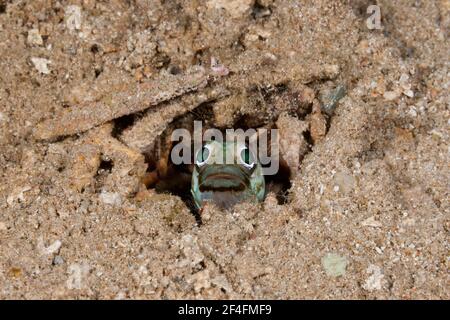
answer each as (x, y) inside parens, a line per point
(213, 176)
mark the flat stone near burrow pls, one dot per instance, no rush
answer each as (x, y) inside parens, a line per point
(123, 99)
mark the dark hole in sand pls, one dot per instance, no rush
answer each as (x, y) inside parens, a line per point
(280, 183)
(98, 72)
(122, 123)
(103, 171)
(106, 166)
(95, 48)
(177, 180)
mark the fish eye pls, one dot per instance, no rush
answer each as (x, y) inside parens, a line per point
(203, 155)
(247, 158)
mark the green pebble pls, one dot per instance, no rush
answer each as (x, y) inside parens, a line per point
(334, 264)
(330, 101)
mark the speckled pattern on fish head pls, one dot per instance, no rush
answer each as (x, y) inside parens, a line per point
(223, 182)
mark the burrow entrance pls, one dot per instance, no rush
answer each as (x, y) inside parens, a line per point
(166, 177)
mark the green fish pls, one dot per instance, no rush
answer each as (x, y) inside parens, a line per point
(223, 182)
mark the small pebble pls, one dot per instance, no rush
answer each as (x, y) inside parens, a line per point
(331, 70)
(41, 65)
(58, 260)
(344, 182)
(391, 95)
(15, 272)
(53, 247)
(217, 68)
(2, 226)
(34, 38)
(111, 198)
(371, 222)
(17, 195)
(235, 8)
(403, 79)
(412, 111)
(77, 274)
(375, 281)
(409, 93)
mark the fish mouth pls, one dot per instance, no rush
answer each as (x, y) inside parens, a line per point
(221, 178)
